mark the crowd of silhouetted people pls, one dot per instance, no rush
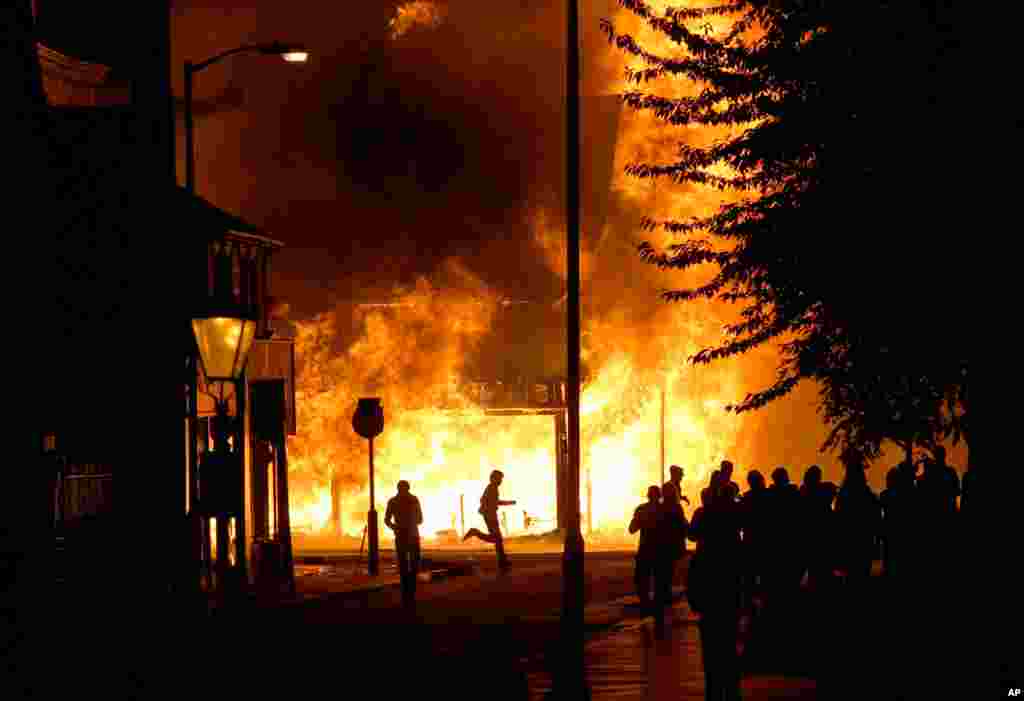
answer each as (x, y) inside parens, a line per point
(756, 549)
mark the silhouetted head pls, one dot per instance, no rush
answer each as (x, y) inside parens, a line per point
(852, 458)
(780, 476)
(675, 473)
(855, 474)
(812, 478)
(653, 493)
(715, 476)
(755, 479)
(908, 471)
(669, 494)
(497, 476)
(892, 478)
(726, 470)
(403, 487)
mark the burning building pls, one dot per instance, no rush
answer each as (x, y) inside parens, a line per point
(473, 380)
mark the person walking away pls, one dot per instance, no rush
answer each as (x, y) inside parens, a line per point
(715, 580)
(816, 498)
(785, 566)
(645, 521)
(670, 548)
(937, 489)
(403, 517)
(858, 513)
(752, 510)
(898, 523)
(489, 503)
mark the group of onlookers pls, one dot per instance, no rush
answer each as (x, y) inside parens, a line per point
(759, 546)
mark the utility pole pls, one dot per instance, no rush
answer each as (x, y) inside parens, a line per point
(590, 502)
(662, 431)
(572, 558)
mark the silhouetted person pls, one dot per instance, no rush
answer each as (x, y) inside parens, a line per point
(489, 504)
(670, 547)
(968, 511)
(858, 518)
(817, 525)
(404, 516)
(753, 507)
(937, 489)
(705, 494)
(785, 561)
(727, 483)
(675, 478)
(645, 520)
(715, 578)
(898, 520)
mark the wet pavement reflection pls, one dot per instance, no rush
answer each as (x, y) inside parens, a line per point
(628, 662)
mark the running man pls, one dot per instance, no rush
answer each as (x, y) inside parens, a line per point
(489, 504)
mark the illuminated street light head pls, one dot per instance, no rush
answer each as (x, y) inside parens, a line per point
(292, 53)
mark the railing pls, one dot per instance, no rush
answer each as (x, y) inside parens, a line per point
(83, 503)
(82, 490)
(539, 395)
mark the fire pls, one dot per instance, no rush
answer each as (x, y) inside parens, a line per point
(448, 453)
(635, 349)
(413, 14)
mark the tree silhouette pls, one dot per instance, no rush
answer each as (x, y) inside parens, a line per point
(832, 109)
(881, 398)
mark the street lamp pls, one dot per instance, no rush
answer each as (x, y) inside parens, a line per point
(224, 337)
(291, 53)
(224, 340)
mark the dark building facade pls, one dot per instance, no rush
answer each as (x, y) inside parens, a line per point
(103, 318)
(117, 261)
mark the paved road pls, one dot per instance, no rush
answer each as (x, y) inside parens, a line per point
(479, 637)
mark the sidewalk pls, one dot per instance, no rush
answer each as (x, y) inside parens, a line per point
(331, 581)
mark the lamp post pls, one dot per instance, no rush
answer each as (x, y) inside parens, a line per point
(572, 557)
(291, 53)
(368, 422)
(211, 327)
(224, 334)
